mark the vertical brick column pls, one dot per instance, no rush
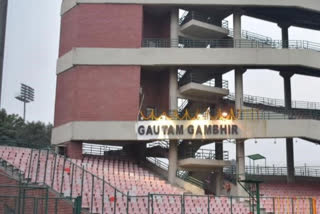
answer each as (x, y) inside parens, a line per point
(74, 150)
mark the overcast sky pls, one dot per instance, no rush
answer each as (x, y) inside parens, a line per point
(31, 54)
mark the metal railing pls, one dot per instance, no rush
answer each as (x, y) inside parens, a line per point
(183, 105)
(203, 154)
(302, 171)
(62, 175)
(245, 114)
(162, 144)
(252, 36)
(256, 100)
(198, 78)
(229, 43)
(184, 175)
(23, 198)
(98, 149)
(256, 114)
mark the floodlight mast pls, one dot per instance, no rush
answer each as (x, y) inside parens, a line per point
(26, 96)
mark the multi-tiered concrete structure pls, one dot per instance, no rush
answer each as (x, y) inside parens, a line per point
(118, 58)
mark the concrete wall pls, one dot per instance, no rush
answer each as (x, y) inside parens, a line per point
(156, 26)
(306, 4)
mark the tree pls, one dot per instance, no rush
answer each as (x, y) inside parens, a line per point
(15, 132)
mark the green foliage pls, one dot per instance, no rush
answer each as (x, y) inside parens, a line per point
(15, 132)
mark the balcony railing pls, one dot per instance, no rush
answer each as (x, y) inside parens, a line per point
(97, 149)
(207, 154)
(256, 100)
(245, 114)
(252, 36)
(303, 171)
(229, 43)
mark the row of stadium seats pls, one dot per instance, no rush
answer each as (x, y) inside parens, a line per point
(124, 177)
(290, 198)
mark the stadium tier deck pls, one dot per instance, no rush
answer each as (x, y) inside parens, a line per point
(125, 177)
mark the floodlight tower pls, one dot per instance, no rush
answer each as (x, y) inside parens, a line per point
(26, 96)
(3, 22)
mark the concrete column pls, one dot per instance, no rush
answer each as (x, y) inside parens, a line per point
(218, 80)
(174, 27)
(287, 89)
(290, 160)
(238, 79)
(237, 28)
(284, 34)
(173, 161)
(289, 141)
(240, 159)
(218, 173)
(240, 154)
(3, 22)
(173, 87)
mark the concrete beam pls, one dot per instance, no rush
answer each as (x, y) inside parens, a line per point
(312, 5)
(189, 57)
(199, 90)
(193, 164)
(127, 130)
(198, 29)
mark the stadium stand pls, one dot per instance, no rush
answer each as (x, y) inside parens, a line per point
(65, 176)
(109, 185)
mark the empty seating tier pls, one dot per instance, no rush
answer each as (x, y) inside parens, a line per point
(122, 186)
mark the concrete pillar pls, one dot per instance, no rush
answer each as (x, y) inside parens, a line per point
(173, 161)
(136, 150)
(290, 160)
(238, 79)
(284, 34)
(289, 141)
(287, 89)
(237, 28)
(218, 80)
(173, 88)
(240, 154)
(174, 27)
(240, 159)
(3, 22)
(218, 173)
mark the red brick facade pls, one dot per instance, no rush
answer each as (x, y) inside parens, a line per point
(97, 93)
(74, 150)
(101, 26)
(108, 93)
